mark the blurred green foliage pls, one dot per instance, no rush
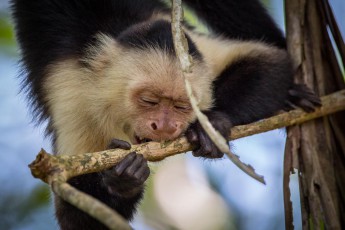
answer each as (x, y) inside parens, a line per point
(7, 38)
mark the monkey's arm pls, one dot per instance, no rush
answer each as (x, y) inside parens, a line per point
(250, 89)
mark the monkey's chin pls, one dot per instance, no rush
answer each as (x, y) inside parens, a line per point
(139, 140)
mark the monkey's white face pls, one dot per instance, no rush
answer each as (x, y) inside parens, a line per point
(154, 103)
(158, 104)
(161, 117)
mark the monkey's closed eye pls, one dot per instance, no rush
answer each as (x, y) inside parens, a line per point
(149, 101)
(182, 107)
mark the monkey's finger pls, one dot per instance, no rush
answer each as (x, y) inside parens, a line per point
(216, 153)
(192, 136)
(142, 173)
(207, 148)
(198, 151)
(210, 149)
(125, 163)
(205, 143)
(308, 106)
(204, 147)
(136, 163)
(289, 105)
(119, 144)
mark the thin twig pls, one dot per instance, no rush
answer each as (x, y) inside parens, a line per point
(186, 61)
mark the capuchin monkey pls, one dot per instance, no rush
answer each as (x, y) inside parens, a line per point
(104, 74)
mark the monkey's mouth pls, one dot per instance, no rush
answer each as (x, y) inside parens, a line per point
(140, 140)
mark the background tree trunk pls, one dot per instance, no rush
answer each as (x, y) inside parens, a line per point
(316, 148)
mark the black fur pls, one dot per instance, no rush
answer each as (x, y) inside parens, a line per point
(255, 88)
(248, 90)
(156, 34)
(244, 20)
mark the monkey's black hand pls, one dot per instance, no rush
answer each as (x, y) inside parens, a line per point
(126, 179)
(204, 146)
(301, 96)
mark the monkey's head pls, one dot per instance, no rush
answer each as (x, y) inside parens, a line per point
(142, 89)
(158, 102)
(155, 99)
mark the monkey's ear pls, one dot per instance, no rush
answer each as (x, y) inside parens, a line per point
(102, 54)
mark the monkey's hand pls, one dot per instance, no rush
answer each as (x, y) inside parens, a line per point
(204, 147)
(126, 179)
(301, 96)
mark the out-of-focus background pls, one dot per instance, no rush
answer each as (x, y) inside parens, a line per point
(182, 193)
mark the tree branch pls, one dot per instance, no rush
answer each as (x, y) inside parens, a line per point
(47, 167)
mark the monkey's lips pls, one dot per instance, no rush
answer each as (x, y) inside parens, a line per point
(141, 140)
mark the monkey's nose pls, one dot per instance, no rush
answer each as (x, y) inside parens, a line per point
(166, 130)
(164, 127)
